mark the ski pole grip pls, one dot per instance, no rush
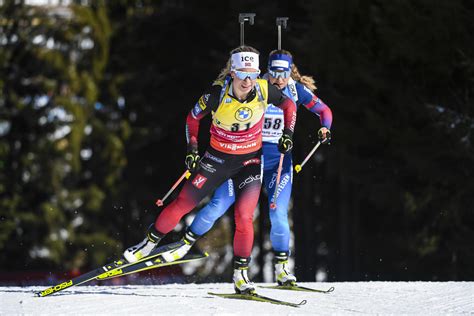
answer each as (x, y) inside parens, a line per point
(247, 17)
(282, 21)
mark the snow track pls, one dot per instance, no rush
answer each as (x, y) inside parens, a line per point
(423, 298)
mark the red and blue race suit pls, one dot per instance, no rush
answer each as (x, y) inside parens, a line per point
(234, 153)
(224, 196)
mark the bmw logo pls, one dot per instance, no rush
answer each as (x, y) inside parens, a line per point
(243, 114)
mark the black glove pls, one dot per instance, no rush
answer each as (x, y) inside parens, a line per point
(192, 159)
(285, 143)
(324, 135)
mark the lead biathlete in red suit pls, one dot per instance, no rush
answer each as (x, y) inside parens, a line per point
(238, 101)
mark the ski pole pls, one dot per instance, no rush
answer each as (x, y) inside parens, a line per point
(277, 184)
(245, 17)
(186, 175)
(281, 22)
(300, 166)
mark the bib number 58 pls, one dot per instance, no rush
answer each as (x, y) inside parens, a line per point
(272, 123)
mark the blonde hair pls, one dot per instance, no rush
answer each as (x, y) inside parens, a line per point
(307, 81)
(226, 70)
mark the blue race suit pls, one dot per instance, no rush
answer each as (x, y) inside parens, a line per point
(224, 196)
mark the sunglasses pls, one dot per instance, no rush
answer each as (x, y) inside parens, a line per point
(280, 74)
(242, 75)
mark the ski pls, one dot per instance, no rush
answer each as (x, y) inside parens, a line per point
(258, 298)
(297, 288)
(152, 263)
(83, 278)
(109, 268)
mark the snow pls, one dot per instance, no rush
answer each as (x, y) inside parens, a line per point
(349, 298)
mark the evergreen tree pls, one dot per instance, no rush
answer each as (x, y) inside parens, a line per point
(61, 151)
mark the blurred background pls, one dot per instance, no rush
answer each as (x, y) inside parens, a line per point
(93, 100)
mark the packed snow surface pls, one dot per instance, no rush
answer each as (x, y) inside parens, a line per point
(423, 298)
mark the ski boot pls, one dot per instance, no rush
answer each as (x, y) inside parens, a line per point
(143, 249)
(283, 276)
(181, 248)
(242, 284)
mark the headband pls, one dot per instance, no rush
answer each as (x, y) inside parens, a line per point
(280, 62)
(244, 60)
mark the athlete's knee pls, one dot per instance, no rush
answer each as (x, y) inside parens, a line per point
(213, 210)
(279, 227)
(243, 217)
(244, 223)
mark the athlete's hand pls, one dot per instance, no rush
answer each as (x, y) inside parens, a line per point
(324, 135)
(192, 159)
(285, 143)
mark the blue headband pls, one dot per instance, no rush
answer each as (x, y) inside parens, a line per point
(280, 62)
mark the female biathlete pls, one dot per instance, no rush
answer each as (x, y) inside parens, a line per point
(238, 102)
(283, 74)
